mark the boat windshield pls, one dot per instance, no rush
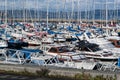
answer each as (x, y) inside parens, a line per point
(95, 49)
(63, 49)
(107, 45)
(92, 49)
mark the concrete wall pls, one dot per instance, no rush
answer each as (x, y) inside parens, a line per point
(58, 71)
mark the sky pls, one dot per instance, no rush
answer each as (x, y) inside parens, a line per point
(56, 5)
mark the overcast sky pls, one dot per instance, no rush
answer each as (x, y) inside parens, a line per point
(59, 4)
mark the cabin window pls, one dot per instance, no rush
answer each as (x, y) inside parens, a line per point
(20, 29)
(47, 48)
(118, 42)
(53, 50)
(15, 31)
(76, 57)
(63, 49)
(95, 49)
(82, 56)
(106, 55)
(113, 43)
(66, 57)
(2, 58)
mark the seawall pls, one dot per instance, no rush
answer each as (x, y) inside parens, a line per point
(58, 71)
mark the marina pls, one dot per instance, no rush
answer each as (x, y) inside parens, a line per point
(65, 38)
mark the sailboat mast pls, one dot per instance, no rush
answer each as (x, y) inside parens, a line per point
(116, 10)
(5, 11)
(106, 13)
(93, 12)
(24, 10)
(78, 12)
(86, 11)
(38, 11)
(47, 13)
(72, 11)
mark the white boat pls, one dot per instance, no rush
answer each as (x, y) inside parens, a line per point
(47, 40)
(115, 40)
(70, 58)
(32, 41)
(59, 38)
(105, 56)
(3, 44)
(102, 51)
(79, 61)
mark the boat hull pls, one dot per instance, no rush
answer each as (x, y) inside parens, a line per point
(15, 45)
(104, 59)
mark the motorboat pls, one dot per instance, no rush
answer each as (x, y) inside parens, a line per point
(71, 58)
(14, 43)
(3, 44)
(94, 51)
(102, 55)
(32, 41)
(115, 40)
